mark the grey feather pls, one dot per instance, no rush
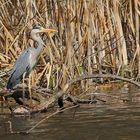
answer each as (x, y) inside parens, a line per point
(24, 64)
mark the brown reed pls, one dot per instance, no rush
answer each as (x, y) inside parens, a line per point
(93, 37)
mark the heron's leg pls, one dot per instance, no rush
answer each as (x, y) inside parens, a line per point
(23, 91)
(29, 88)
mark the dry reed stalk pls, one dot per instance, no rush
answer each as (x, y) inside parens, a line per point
(119, 33)
(137, 28)
(93, 37)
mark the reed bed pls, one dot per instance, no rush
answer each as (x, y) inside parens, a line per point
(93, 37)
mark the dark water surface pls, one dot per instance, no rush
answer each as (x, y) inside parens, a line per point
(91, 122)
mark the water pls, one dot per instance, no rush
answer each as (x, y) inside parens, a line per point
(90, 122)
(114, 120)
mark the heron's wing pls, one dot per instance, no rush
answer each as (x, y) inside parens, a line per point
(23, 65)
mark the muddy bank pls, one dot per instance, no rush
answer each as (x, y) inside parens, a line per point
(42, 99)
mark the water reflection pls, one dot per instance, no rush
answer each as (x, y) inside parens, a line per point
(99, 122)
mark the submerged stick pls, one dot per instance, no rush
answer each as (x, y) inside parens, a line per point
(47, 117)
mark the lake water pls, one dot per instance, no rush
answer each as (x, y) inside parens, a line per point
(89, 122)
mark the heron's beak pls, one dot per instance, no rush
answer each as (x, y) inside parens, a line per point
(48, 30)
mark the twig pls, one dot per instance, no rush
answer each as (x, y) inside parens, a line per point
(10, 127)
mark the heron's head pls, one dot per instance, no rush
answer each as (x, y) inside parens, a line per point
(39, 29)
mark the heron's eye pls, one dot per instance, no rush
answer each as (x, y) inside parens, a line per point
(36, 26)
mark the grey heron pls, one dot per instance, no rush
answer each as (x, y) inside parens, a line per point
(28, 58)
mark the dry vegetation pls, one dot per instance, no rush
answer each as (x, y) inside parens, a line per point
(100, 36)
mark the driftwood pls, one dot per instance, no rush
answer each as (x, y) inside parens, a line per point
(57, 95)
(84, 77)
(54, 98)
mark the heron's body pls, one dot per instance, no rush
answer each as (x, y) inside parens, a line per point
(27, 60)
(24, 64)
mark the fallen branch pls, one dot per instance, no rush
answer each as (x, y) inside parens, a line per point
(59, 94)
(84, 77)
(52, 100)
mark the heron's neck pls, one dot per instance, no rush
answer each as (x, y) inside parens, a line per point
(39, 45)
